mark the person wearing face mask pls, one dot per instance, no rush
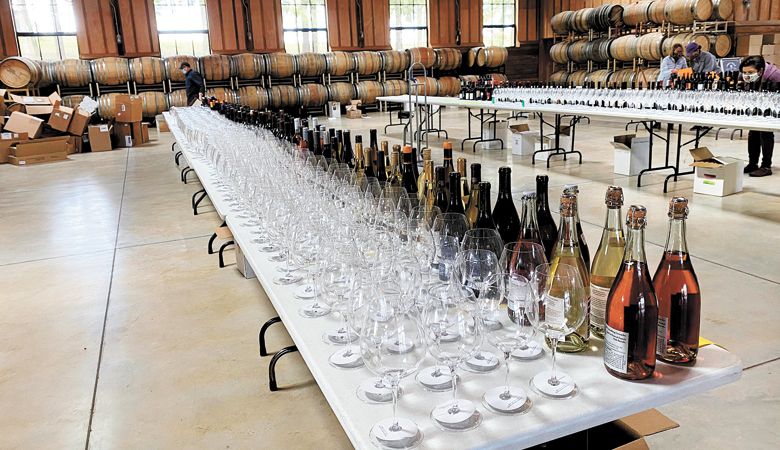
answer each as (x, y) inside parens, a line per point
(756, 70)
(701, 61)
(672, 63)
(193, 83)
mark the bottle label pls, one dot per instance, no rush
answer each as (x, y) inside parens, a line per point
(616, 349)
(661, 339)
(598, 304)
(554, 313)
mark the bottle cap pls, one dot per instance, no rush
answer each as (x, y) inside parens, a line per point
(447, 145)
(504, 170)
(614, 197)
(358, 139)
(678, 208)
(397, 148)
(568, 205)
(407, 149)
(426, 153)
(571, 189)
(528, 195)
(636, 217)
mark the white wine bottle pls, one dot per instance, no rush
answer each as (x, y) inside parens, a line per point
(607, 260)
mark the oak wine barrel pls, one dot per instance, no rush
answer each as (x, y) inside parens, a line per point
(606, 16)
(598, 49)
(578, 77)
(577, 51)
(340, 63)
(223, 94)
(560, 78)
(72, 101)
(394, 61)
(722, 9)
(600, 77)
(498, 78)
(312, 94)
(449, 87)
(255, 97)
(560, 22)
(154, 102)
(177, 98)
(249, 66)
(685, 12)
(648, 77)
(72, 72)
(341, 92)
(579, 20)
(649, 46)
(19, 72)
(469, 78)
(703, 40)
(656, 11)
(448, 58)
(636, 13)
(172, 64)
(280, 65)
(423, 55)
(107, 106)
(367, 63)
(396, 87)
(682, 39)
(311, 64)
(216, 67)
(622, 76)
(471, 56)
(147, 70)
(559, 52)
(720, 45)
(492, 56)
(425, 86)
(110, 71)
(623, 48)
(368, 91)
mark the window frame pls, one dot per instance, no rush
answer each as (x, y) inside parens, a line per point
(402, 28)
(204, 31)
(309, 4)
(58, 34)
(513, 25)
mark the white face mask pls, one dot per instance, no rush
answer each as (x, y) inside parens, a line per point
(750, 77)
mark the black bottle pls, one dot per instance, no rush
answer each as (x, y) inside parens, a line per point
(455, 204)
(347, 155)
(408, 180)
(440, 194)
(484, 215)
(504, 213)
(547, 228)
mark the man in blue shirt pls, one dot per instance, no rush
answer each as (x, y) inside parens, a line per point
(701, 62)
(193, 83)
(672, 63)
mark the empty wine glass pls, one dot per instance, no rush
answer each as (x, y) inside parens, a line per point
(522, 258)
(559, 308)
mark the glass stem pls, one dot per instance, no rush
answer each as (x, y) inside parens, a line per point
(553, 377)
(506, 374)
(394, 387)
(454, 388)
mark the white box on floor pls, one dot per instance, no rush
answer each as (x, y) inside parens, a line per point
(719, 176)
(632, 154)
(243, 265)
(334, 110)
(491, 132)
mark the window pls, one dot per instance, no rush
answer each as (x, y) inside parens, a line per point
(183, 27)
(408, 24)
(498, 22)
(305, 26)
(46, 29)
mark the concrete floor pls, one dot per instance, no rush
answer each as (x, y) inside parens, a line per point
(119, 331)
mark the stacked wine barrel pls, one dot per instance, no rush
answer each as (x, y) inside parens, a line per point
(490, 57)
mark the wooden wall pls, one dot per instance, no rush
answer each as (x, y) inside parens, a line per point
(8, 45)
(139, 28)
(96, 32)
(441, 23)
(227, 26)
(266, 23)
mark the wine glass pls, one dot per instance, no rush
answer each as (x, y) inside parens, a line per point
(362, 290)
(337, 286)
(392, 346)
(514, 332)
(483, 239)
(559, 307)
(454, 334)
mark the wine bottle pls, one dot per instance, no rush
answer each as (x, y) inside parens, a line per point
(504, 212)
(448, 167)
(374, 146)
(424, 179)
(360, 168)
(464, 183)
(455, 204)
(529, 229)
(339, 146)
(407, 172)
(607, 260)
(327, 152)
(632, 311)
(547, 228)
(394, 180)
(678, 294)
(316, 140)
(415, 169)
(428, 186)
(484, 215)
(574, 189)
(347, 151)
(381, 170)
(567, 251)
(310, 139)
(439, 190)
(472, 208)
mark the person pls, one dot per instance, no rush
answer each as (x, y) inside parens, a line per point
(701, 61)
(756, 70)
(672, 63)
(193, 83)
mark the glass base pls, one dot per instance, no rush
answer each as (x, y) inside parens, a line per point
(482, 362)
(564, 388)
(396, 433)
(501, 401)
(456, 416)
(435, 378)
(269, 248)
(305, 292)
(314, 311)
(288, 278)
(347, 358)
(339, 337)
(374, 391)
(532, 351)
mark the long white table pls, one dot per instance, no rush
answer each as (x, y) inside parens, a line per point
(602, 398)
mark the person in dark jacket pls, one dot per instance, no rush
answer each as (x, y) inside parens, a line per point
(760, 143)
(193, 83)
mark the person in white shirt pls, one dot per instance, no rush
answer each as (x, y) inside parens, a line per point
(672, 63)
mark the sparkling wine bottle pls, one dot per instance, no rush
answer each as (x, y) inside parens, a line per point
(504, 212)
(529, 228)
(484, 215)
(360, 168)
(567, 251)
(394, 179)
(547, 228)
(464, 184)
(607, 260)
(677, 291)
(448, 166)
(574, 189)
(632, 310)
(425, 178)
(472, 208)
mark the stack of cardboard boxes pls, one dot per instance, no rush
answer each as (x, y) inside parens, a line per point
(767, 45)
(128, 130)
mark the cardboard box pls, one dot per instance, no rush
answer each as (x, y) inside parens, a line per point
(79, 122)
(353, 110)
(24, 123)
(38, 147)
(129, 108)
(6, 141)
(37, 159)
(60, 118)
(144, 132)
(243, 265)
(632, 154)
(137, 133)
(627, 433)
(521, 139)
(162, 125)
(100, 137)
(123, 135)
(719, 176)
(334, 110)
(74, 144)
(38, 105)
